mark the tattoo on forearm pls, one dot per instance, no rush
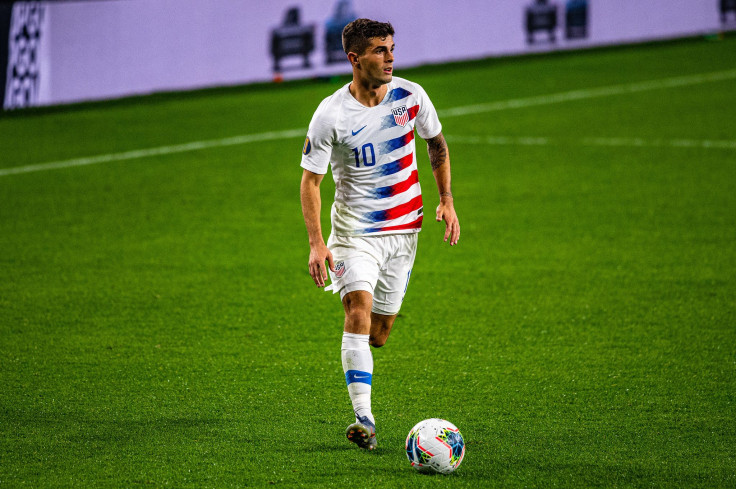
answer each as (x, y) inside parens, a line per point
(437, 149)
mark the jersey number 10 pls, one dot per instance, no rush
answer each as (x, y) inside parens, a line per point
(365, 153)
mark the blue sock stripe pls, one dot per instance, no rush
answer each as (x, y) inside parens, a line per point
(358, 376)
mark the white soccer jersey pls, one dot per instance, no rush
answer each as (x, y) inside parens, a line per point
(372, 153)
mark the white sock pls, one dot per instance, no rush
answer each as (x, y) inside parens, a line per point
(357, 363)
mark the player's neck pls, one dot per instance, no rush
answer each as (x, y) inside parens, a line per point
(367, 94)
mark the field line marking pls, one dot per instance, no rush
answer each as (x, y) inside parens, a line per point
(663, 83)
(675, 82)
(161, 150)
(620, 142)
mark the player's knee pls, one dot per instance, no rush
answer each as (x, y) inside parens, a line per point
(358, 318)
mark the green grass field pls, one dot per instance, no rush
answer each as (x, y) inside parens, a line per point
(158, 326)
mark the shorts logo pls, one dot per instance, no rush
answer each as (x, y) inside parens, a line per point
(340, 269)
(401, 115)
(307, 146)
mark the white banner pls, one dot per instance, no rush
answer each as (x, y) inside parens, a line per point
(113, 48)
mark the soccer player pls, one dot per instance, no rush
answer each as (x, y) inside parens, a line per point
(365, 131)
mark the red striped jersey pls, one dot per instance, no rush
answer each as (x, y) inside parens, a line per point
(371, 152)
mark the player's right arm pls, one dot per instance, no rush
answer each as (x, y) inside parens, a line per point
(311, 208)
(316, 156)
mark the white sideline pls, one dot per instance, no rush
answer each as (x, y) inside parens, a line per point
(680, 81)
(674, 143)
(161, 150)
(621, 142)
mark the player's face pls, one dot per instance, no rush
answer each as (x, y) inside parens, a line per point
(377, 63)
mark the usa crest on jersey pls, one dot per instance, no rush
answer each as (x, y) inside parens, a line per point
(401, 115)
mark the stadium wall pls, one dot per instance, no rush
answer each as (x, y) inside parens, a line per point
(70, 51)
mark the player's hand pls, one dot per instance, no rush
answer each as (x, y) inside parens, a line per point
(317, 256)
(446, 212)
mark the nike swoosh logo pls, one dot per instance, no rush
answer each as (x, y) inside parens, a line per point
(361, 376)
(356, 132)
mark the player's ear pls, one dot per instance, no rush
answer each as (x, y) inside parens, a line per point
(353, 58)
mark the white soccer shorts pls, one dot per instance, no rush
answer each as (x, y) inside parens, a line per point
(378, 264)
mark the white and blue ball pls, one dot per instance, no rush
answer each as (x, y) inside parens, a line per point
(435, 445)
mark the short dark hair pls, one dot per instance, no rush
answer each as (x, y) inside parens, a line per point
(357, 35)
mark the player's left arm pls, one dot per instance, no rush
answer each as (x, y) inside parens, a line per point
(439, 157)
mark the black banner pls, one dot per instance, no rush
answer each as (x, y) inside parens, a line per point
(23, 74)
(5, 10)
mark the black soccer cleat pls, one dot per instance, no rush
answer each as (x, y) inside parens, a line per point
(362, 433)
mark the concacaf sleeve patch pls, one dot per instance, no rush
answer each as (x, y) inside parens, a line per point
(307, 146)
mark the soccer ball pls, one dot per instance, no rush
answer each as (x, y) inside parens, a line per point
(435, 445)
